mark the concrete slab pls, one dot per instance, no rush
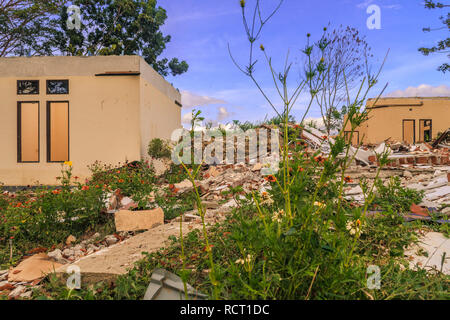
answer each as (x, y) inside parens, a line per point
(115, 260)
(126, 220)
(33, 268)
(430, 252)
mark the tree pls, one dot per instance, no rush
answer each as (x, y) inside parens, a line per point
(443, 45)
(346, 56)
(24, 24)
(118, 27)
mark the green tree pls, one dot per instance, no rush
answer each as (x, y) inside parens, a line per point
(118, 27)
(24, 24)
(443, 45)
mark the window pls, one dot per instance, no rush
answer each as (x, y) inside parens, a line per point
(57, 131)
(57, 86)
(28, 131)
(27, 87)
(425, 130)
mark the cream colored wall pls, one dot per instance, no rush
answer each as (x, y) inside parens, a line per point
(160, 115)
(387, 122)
(104, 113)
(112, 118)
(386, 119)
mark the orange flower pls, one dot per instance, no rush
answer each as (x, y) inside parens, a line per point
(118, 172)
(121, 181)
(271, 178)
(348, 179)
(56, 191)
(300, 169)
(97, 186)
(319, 159)
(85, 188)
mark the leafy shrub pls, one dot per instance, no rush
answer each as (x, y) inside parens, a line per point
(135, 180)
(48, 216)
(394, 196)
(158, 148)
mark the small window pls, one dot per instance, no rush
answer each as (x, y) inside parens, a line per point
(57, 131)
(425, 130)
(28, 87)
(28, 132)
(57, 86)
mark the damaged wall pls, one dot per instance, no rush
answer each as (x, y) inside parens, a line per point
(105, 116)
(386, 119)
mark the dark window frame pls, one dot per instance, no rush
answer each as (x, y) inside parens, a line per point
(49, 140)
(414, 129)
(431, 129)
(29, 94)
(65, 80)
(19, 132)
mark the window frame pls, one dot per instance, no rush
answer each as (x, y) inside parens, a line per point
(431, 129)
(19, 132)
(28, 94)
(49, 93)
(49, 140)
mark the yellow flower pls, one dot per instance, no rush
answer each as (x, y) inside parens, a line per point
(68, 163)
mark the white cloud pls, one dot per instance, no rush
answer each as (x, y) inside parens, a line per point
(192, 100)
(186, 118)
(223, 114)
(424, 90)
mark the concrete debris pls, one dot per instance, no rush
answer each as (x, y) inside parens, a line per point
(165, 285)
(32, 268)
(431, 253)
(126, 220)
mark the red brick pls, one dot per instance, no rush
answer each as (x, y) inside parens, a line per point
(422, 160)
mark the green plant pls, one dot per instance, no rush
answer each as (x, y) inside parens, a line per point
(135, 180)
(47, 216)
(392, 195)
(158, 148)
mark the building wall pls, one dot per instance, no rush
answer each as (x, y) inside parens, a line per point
(157, 98)
(387, 115)
(110, 116)
(103, 113)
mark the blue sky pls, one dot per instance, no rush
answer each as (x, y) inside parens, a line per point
(202, 29)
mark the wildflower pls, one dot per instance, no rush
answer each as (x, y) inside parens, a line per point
(354, 227)
(85, 188)
(76, 177)
(270, 178)
(262, 48)
(324, 137)
(121, 181)
(319, 204)
(300, 169)
(348, 180)
(277, 216)
(97, 186)
(267, 199)
(242, 3)
(56, 192)
(319, 159)
(68, 163)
